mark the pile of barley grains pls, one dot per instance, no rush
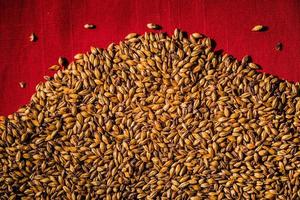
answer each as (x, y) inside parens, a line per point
(155, 117)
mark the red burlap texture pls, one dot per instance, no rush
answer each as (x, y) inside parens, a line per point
(59, 27)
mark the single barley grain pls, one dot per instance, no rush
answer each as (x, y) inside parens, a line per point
(54, 67)
(278, 46)
(62, 61)
(258, 28)
(22, 84)
(89, 26)
(32, 37)
(153, 26)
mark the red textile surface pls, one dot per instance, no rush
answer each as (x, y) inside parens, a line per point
(59, 27)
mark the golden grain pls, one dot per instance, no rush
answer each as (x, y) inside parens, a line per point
(278, 46)
(154, 117)
(22, 84)
(89, 26)
(153, 26)
(32, 37)
(257, 28)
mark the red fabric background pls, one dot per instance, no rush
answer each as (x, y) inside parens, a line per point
(59, 27)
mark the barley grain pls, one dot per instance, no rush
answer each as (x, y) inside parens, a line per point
(154, 116)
